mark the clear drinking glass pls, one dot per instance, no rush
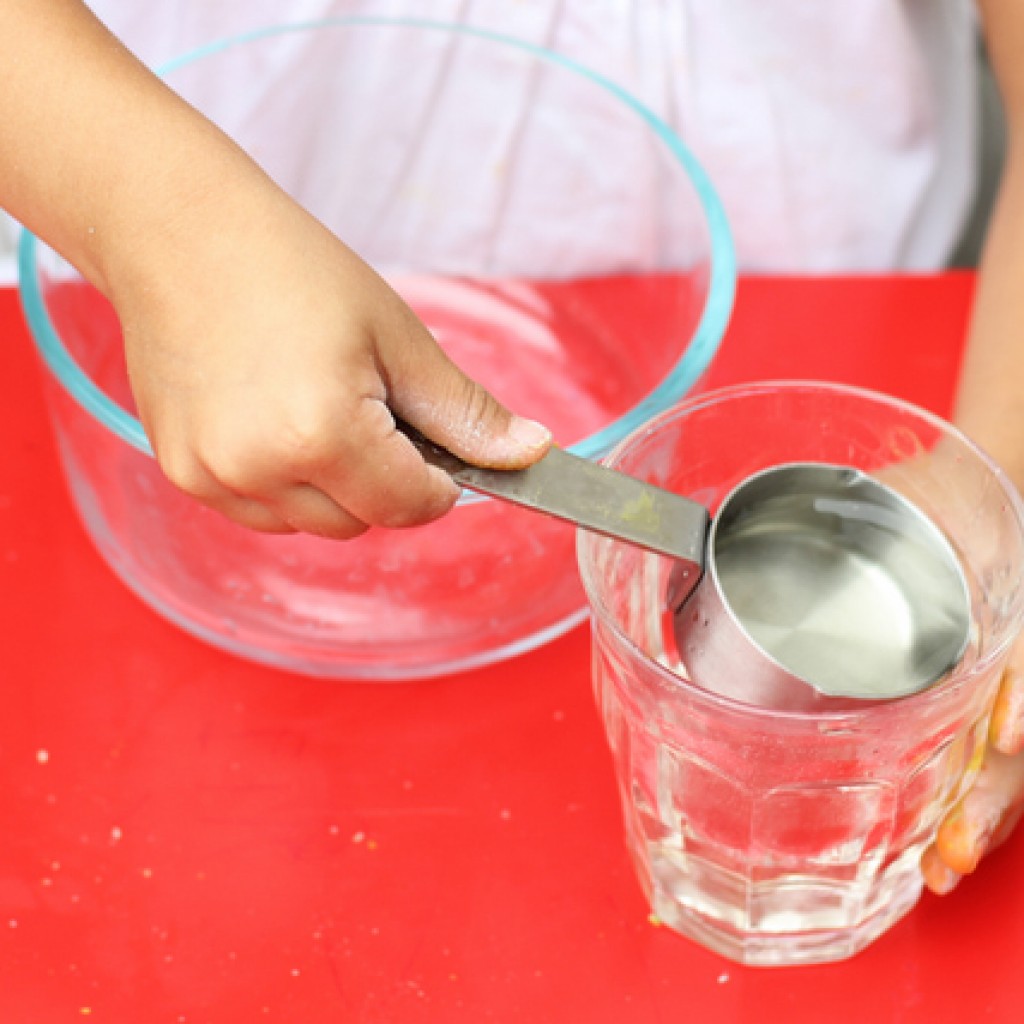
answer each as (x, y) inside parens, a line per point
(780, 837)
(555, 235)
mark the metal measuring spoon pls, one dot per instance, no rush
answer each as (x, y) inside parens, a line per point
(819, 575)
(587, 494)
(814, 583)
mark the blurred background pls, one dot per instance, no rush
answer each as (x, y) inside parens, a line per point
(160, 31)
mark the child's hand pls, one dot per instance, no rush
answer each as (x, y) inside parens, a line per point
(266, 359)
(264, 356)
(990, 810)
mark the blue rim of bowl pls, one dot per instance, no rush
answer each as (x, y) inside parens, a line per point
(684, 373)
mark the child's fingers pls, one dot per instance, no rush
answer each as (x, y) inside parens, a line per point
(331, 473)
(991, 809)
(1006, 728)
(379, 477)
(985, 815)
(188, 474)
(939, 877)
(248, 512)
(307, 509)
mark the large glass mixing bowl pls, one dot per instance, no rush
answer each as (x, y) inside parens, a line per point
(556, 236)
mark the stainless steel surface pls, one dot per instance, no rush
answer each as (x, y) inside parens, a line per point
(820, 574)
(587, 494)
(815, 583)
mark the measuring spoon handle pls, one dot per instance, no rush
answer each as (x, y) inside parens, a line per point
(585, 493)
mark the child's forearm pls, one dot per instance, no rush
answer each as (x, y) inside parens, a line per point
(231, 298)
(990, 403)
(97, 156)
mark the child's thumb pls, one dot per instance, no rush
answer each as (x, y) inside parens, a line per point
(459, 414)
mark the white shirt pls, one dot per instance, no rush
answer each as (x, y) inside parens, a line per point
(840, 136)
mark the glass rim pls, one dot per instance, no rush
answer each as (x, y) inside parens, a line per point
(586, 543)
(675, 384)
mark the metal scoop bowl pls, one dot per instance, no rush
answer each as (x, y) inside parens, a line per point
(815, 585)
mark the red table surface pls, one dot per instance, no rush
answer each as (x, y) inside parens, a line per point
(185, 837)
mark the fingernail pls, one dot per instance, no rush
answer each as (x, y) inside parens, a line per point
(942, 879)
(444, 479)
(528, 434)
(1006, 729)
(964, 838)
(979, 838)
